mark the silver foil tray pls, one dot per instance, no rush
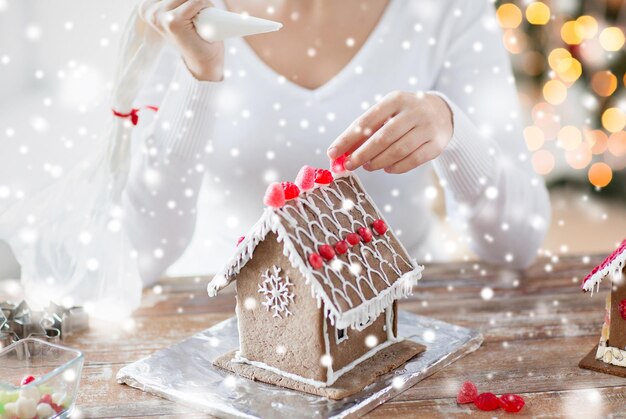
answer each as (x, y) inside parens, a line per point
(184, 373)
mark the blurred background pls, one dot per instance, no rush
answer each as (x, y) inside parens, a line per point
(57, 59)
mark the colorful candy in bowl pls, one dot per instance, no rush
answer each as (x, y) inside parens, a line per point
(38, 380)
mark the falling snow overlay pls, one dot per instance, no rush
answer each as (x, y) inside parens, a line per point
(277, 292)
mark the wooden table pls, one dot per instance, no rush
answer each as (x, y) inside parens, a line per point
(537, 326)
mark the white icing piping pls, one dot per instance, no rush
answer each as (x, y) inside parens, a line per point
(614, 268)
(332, 376)
(611, 355)
(329, 369)
(389, 322)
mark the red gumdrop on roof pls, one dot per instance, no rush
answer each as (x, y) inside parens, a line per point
(323, 176)
(306, 178)
(274, 195)
(366, 234)
(315, 260)
(487, 401)
(379, 226)
(512, 403)
(353, 239)
(341, 247)
(337, 165)
(467, 393)
(326, 251)
(291, 190)
(240, 239)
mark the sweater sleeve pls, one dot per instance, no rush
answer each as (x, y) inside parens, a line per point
(491, 190)
(166, 174)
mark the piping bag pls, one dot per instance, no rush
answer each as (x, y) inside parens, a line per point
(69, 236)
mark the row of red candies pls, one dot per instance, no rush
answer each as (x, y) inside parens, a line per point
(327, 251)
(468, 393)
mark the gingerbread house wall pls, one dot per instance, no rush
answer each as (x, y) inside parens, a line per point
(617, 326)
(354, 346)
(261, 334)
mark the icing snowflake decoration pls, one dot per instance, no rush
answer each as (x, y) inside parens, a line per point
(277, 292)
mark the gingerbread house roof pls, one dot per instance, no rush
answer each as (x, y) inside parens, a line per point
(613, 265)
(354, 286)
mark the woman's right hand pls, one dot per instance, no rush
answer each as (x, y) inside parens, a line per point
(174, 20)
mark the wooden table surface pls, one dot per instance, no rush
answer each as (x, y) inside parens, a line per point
(537, 326)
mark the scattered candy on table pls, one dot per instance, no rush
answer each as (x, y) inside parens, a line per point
(468, 393)
(32, 401)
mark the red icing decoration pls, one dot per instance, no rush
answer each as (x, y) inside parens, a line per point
(274, 195)
(315, 260)
(337, 165)
(291, 190)
(606, 262)
(487, 401)
(622, 309)
(326, 251)
(341, 247)
(306, 178)
(353, 239)
(365, 233)
(323, 176)
(512, 403)
(379, 226)
(239, 240)
(467, 393)
(27, 380)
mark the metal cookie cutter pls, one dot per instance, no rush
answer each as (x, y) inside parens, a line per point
(19, 321)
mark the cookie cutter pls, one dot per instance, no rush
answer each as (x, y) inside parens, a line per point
(19, 321)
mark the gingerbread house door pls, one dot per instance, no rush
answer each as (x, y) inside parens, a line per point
(617, 328)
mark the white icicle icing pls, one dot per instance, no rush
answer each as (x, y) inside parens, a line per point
(614, 269)
(347, 296)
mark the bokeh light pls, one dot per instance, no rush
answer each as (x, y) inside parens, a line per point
(580, 157)
(600, 174)
(569, 137)
(597, 140)
(538, 13)
(534, 137)
(614, 119)
(573, 71)
(555, 92)
(569, 34)
(617, 144)
(586, 27)
(509, 16)
(543, 161)
(612, 39)
(559, 59)
(604, 83)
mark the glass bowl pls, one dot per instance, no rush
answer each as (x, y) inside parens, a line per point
(55, 373)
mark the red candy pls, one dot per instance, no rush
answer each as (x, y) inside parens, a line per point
(316, 260)
(512, 403)
(291, 190)
(379, 226)
(467, 393)
(306, 178)
(57, 408)
(240, 239)
(326, 251)
(487, 401)
(323, 176)
(27, 380)
(353, 239)
(622, 309)
(341, 247)
(46, 398)
(366, 234)
(274, 195)
(337, 165)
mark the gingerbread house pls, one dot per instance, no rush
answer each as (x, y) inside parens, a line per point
(610, 354)
(317, 280)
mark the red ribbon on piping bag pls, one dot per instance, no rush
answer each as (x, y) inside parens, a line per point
(134, 113)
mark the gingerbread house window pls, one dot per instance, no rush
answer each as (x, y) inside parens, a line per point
(342, 335)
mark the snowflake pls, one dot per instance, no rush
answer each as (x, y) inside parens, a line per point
(276, 291)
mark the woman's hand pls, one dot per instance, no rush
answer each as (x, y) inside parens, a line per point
(174, 20)
(398, 134)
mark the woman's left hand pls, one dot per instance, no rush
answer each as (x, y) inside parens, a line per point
(401, 132)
